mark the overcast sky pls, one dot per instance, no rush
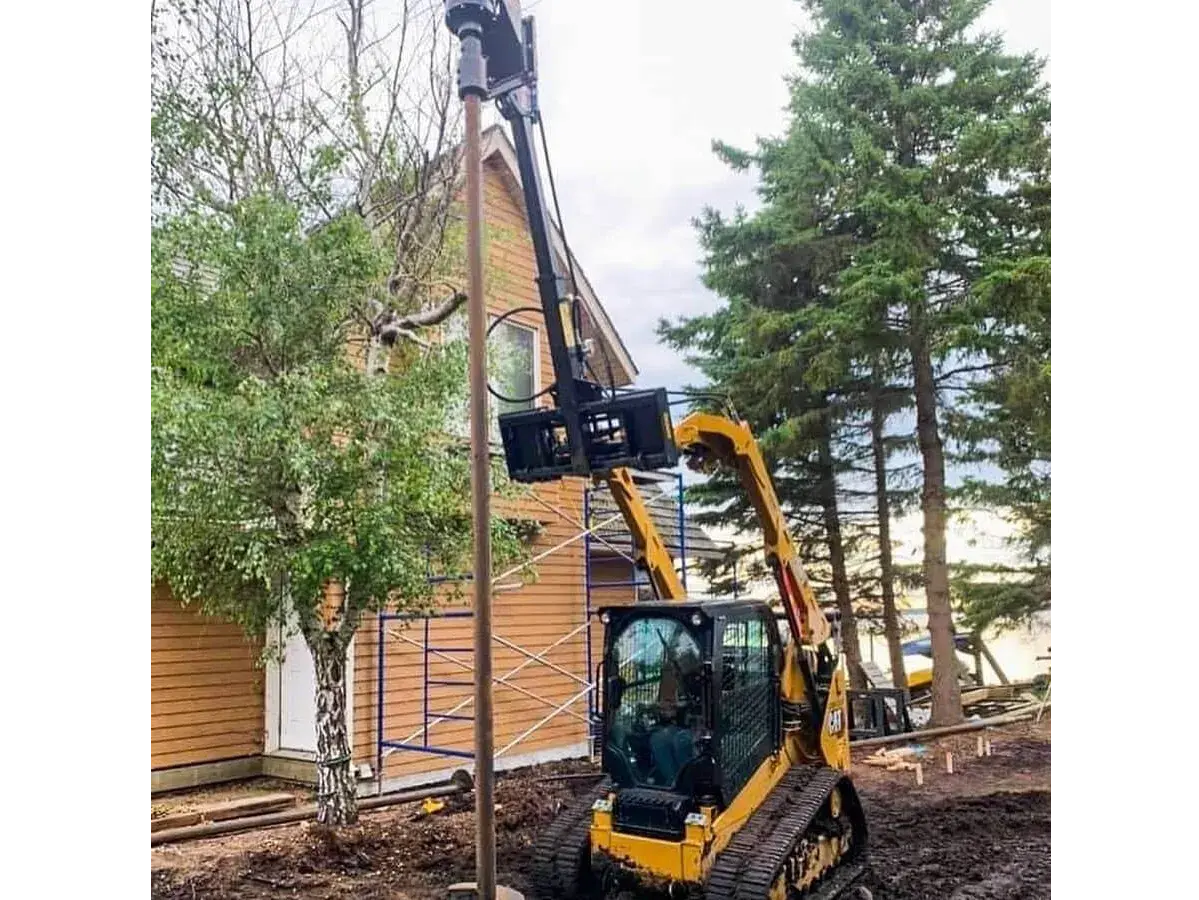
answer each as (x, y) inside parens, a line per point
(633, 93)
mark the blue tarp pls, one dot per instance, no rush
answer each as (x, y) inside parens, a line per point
(924, 646)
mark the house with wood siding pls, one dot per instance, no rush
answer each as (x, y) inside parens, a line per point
(217, 713)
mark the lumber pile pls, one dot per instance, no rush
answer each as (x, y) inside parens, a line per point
(227, 809)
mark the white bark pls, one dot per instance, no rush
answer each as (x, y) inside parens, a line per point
(336, 793)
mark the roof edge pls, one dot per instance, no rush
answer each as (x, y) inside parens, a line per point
(497, 143)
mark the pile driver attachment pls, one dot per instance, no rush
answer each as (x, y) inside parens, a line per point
(626, 430)
(725, 737)
(586, 432)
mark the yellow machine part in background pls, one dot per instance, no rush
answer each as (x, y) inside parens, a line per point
(921, 678)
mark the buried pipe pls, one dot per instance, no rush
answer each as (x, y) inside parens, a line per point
(459, 785)
(1016, 715)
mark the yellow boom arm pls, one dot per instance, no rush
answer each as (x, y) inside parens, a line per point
(649, 551)
(709, 438)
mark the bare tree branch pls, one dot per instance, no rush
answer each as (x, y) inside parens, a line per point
(247, 96)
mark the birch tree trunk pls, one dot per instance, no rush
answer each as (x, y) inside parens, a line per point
(336, 791)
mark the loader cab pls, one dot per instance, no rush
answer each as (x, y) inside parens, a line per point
(690, 707)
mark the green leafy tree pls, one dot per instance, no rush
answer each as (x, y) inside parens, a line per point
(342, 108)
(304, 177)
(932, 138)
(753, 354)
(289, 483)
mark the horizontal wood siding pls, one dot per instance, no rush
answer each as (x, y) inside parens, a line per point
(208, 697)
(604, 571)
(533, 617)
(206, 692)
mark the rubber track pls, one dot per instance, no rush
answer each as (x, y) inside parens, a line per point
(750, 863)
(563, 847)
(772, 853)
(742, 850)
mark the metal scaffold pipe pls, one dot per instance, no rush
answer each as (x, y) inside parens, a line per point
(480, 452)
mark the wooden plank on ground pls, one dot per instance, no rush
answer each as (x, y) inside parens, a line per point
(174, 820)
(246, 806)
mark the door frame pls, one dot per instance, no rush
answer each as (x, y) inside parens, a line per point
(273, 710)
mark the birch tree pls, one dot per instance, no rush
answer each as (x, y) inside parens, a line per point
(304, 176)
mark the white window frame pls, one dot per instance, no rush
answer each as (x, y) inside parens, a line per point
(536, 401)
(495, 443)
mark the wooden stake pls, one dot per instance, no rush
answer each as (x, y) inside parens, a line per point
(948, 762)
(919, 774)
(980, 745)
(987, 747)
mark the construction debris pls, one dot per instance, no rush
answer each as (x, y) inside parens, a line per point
(895, 760)
(293, 815)
(1017, 715)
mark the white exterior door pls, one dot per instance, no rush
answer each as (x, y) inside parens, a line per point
(297, 697)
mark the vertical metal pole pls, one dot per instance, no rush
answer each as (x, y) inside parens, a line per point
(468, 20)
(587, 601)
(426, 691)
(480, 456)
(379, 699)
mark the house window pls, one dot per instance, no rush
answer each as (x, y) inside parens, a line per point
(512, 372)
(513, 351)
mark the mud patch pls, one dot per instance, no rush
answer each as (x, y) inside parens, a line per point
(993, 847)
(398, 853)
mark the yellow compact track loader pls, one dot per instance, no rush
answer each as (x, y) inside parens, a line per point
(725, 739)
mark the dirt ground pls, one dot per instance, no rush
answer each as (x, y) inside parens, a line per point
(982, 833)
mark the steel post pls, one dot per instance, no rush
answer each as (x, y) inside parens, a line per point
(480, 477)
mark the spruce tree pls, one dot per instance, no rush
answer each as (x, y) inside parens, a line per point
(899, 197)
(750, 353)
(946, 132)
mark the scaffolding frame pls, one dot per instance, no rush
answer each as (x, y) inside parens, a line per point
(588, 532)
(385, 745)
(677, 507)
